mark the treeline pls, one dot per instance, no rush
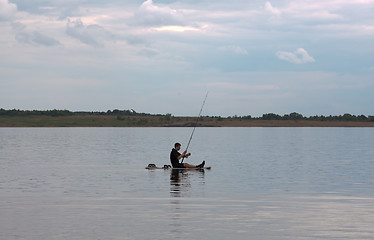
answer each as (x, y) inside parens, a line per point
(119, 113)
(53, 113)
(60, 113)
(297, 116)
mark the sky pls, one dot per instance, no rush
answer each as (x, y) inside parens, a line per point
(313, 57)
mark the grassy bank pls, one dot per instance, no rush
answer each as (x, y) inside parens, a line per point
(85, 120)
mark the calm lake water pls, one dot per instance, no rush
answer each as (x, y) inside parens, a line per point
(265, 183)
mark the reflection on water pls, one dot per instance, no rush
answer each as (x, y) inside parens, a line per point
(180, 180)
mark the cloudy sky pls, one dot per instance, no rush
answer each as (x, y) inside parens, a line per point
(162, 56)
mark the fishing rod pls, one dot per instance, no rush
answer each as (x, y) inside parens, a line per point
(197, 120)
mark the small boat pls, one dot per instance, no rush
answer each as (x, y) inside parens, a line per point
(152, 166)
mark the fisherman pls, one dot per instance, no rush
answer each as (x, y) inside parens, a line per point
(175, 156)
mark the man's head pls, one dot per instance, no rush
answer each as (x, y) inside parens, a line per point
(177, 146)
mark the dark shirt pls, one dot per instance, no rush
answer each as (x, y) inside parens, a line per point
(174, 154)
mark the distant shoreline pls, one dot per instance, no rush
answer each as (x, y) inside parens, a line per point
(163, 121)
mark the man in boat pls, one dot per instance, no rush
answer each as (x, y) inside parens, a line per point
(175, 156)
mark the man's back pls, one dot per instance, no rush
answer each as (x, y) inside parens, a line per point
(174, 154)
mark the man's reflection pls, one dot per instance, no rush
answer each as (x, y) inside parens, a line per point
(180, 180)
(180, 184)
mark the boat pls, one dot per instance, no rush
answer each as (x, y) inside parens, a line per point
(152, 166)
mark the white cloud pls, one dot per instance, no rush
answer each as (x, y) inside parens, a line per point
(153, 15)
(271, 9)
(175, 29)
(300, 56)
(7, 10)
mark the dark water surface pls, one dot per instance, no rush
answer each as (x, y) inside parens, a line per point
(265, 183)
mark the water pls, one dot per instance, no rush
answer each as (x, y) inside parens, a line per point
(265, 183)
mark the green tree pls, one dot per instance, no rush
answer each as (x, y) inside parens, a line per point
(295, 116)
(271, 116)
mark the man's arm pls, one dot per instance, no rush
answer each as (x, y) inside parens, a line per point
(184, 154)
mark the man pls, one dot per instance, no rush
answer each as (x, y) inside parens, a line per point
(175, 156)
